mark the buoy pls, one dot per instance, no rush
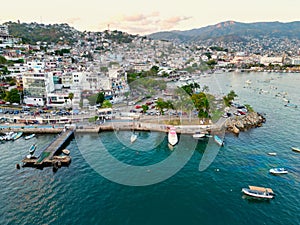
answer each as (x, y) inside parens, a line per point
(18, 166)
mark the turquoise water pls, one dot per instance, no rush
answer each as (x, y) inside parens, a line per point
(78, 194)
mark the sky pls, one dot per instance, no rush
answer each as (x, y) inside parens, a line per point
(146, 17)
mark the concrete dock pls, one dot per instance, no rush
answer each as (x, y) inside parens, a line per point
(49, 155)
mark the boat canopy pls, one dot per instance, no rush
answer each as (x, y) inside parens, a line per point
(262, 189)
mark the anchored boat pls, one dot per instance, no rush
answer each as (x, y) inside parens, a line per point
(296, 149)
(278, 171)
(29, 136)
(259, 192)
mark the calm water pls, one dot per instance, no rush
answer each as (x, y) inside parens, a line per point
(79, 195)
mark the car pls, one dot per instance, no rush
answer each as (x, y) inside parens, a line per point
(138, 106)
(7, 103)
(15, 103)
(2, 102)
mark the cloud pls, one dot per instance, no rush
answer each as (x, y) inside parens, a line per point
(144, 23)
(73, 20)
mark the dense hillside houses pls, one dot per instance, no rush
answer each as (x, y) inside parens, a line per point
(46, 73)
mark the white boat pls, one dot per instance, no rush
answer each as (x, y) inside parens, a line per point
(66, 151)
(32, 148)
(259, 192)
(296, 149)
(272, 153)
(29, 136)
(9, 136)
(198, 135)
(248, 82)
(218, 140)
(172, 136)
(133, 138)
(276, 171)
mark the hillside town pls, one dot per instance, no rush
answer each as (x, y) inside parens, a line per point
(63, 74)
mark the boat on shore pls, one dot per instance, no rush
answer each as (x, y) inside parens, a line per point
(218, 140)
(32, 149)
(278, 171)
(259, 192)
(29, 136)
(172, 136)
(296, 149)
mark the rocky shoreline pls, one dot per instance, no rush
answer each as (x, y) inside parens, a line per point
(236, 124)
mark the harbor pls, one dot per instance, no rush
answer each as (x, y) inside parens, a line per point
(50, 154)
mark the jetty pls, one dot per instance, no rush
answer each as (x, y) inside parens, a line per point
(49, 155)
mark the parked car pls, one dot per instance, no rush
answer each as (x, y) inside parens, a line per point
(2, 102)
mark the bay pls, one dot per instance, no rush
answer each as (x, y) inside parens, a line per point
(79, 194)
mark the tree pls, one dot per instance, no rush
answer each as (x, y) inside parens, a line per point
(100, 98)
(145, 108)
(71, 96)
(2, 60)
(229, 98)
(106, 104)
(202, 104)
(12, 96)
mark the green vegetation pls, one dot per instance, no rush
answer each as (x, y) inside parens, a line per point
(12, 96)
(93, 119)
(106, 104)
(229, 98)
(249, 108)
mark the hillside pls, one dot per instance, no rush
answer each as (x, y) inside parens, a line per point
(34, 32)
(231, 30)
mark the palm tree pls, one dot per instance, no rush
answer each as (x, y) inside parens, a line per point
(71, 96)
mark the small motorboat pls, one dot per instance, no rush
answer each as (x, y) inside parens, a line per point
(199, 135)
(278, 171)
(218, 140)
(172, 136)
(66, 151)
(259, 192)
(18, 135)
(29, 136)
(32, 148)
(272, 153)
(133, 138)
(296, 149)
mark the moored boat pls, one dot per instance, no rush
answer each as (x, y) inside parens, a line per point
(32, 148)
(66, 151)
(133, 138)
(218, 140)
(29, 136)
(259, 192)
(198, 135)
(278, 171)
(172, 136)
(18, 135)
(296, 149)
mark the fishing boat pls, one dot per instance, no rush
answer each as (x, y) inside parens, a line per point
(198, 135)
(29, 136)
(32, 148)
(278, 171)
(218, 140)
(296, 149)
(18, 135)
(272, 153)
(66, 151)
(172, 136)
(133, 137)
(259, 192)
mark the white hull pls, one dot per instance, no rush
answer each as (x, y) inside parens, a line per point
(257, 194)
(296, 149)
(172, 137)
(278, 171)
(133, 138)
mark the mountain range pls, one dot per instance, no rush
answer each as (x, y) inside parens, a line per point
(233, 31)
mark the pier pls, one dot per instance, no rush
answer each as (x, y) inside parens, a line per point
(49, 155)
